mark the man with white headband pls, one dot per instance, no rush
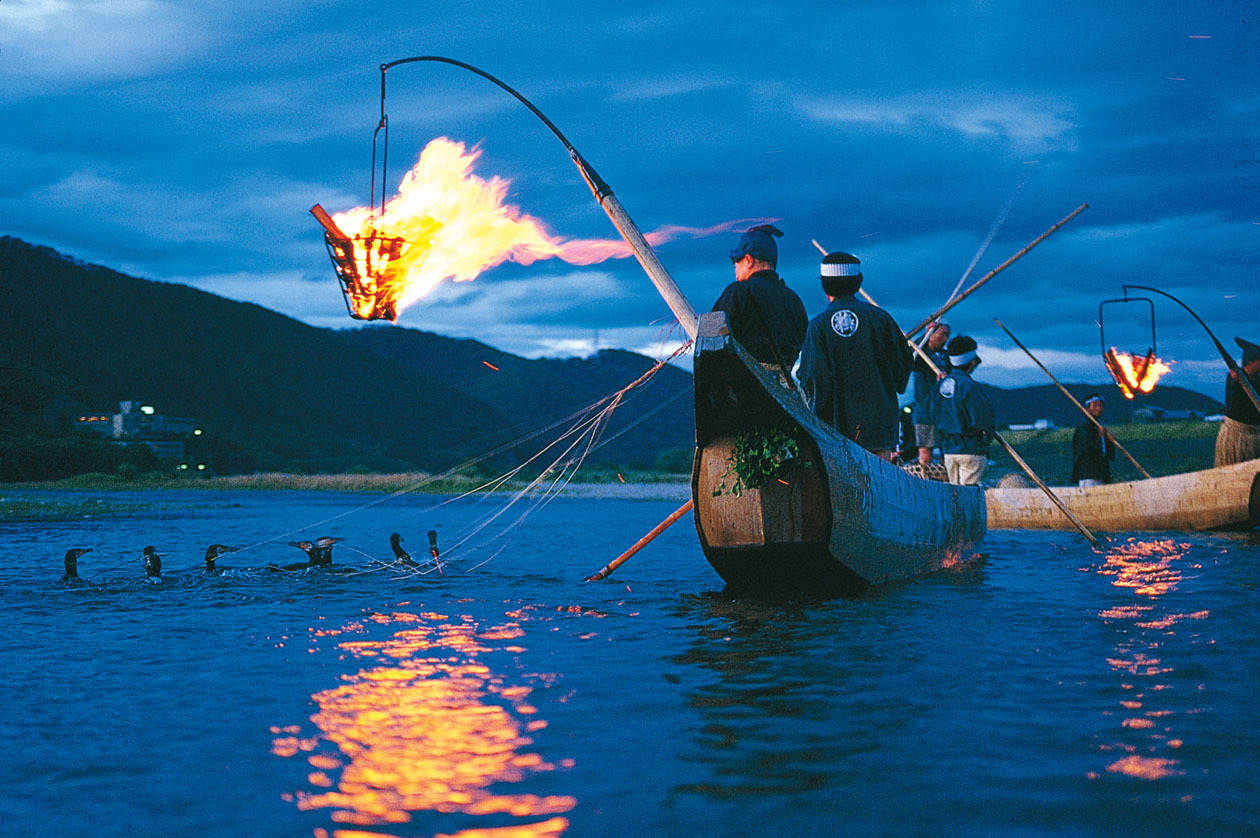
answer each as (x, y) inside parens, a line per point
(1092, 451)
(855, 361)
(964, 416)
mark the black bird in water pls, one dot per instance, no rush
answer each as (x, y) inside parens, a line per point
(152, 563)
(213, 552)
(318, 552)
(400, 555)
(72, 563)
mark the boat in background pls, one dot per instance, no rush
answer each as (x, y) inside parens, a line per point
(839, 518)
(1215, 498)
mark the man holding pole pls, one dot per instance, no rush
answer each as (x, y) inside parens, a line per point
(964, 416)
(1093, 447)
(1238, 440)
(765, 316)
(855, 361)
(937, 337)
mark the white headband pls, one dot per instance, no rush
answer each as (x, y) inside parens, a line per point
(846, 269)
(965, 358)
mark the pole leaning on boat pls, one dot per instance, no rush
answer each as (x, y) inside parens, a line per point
(1075, 401)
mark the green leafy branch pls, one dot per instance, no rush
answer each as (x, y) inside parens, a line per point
(759, 456)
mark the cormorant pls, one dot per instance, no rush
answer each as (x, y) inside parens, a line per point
(72, 563)
(152, 563)
(213, 552)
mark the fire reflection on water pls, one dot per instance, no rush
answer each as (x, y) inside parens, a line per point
(1150, 569)
(426, 727)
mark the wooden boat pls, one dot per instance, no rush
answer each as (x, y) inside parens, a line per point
(1215, 498)
(839, 518)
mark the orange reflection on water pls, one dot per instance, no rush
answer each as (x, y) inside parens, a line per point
(427, 727)
(1146, 566)
(1149, 569)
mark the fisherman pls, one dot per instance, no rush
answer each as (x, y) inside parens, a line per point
(855, 361)
(1238, 440)
(1092, 447)
(964, 416)
(764, 315)
(924, 384)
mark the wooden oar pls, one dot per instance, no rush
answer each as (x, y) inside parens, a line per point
(1091, 416)
(1055, 499)
(982, 280)
(642, 542)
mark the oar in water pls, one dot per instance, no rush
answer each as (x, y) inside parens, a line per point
(642, 542)
(1091, 416)
(1055, 499)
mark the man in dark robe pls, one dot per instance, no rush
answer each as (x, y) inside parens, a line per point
(764, 315)
(1092, 449)
(855, 361)
(1238, 440)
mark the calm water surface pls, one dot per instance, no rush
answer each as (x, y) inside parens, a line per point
(1043, 688)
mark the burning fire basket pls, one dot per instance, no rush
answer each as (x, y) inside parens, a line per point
(1136, 373)
(362, 264)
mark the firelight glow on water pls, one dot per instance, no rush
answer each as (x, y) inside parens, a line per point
(1041, 687)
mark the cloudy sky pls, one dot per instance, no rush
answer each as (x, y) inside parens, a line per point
(185, 142)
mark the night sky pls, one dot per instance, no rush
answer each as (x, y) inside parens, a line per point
(185, 142)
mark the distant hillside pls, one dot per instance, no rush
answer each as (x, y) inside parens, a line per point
(1045, 401)
(273, 392)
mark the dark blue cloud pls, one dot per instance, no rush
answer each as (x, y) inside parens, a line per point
(186, 143)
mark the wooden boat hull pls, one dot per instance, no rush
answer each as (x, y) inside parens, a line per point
(1215, 498)
(838, 519)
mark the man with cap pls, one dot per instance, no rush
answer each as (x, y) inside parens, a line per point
(1092, 449)
(764, 315)
(923, 381)
(1238, 440)
(964, 416)
(855, 361)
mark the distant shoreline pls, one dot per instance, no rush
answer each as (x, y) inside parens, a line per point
(72, 498)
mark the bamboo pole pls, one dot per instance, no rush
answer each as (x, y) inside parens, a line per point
(1055, 499)
(982, 280)
(642, 542)
(1074, 400)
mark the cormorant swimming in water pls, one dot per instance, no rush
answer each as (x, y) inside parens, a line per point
(213, 552)
(318, 552)
(401, 555)
(72, 563)
(323, 546)
(152, 563)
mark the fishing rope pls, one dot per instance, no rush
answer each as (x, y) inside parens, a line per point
(591, 420)
(997, 225)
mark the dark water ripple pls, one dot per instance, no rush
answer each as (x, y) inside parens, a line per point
(1043, 688)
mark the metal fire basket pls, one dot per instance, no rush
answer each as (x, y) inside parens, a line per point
(362, 267)
(1122, 378)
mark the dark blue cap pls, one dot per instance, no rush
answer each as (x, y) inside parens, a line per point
(1251, 352)
(759, 244)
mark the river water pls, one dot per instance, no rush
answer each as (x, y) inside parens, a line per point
(1041, 688)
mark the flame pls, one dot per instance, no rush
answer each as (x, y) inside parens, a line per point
(448, 223)
(1134, 374)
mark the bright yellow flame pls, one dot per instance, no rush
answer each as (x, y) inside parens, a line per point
(446, 223)
(1135, 374)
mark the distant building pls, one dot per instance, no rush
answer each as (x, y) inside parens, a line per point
(137, 423)
(1163, 414)
(1039, 425)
